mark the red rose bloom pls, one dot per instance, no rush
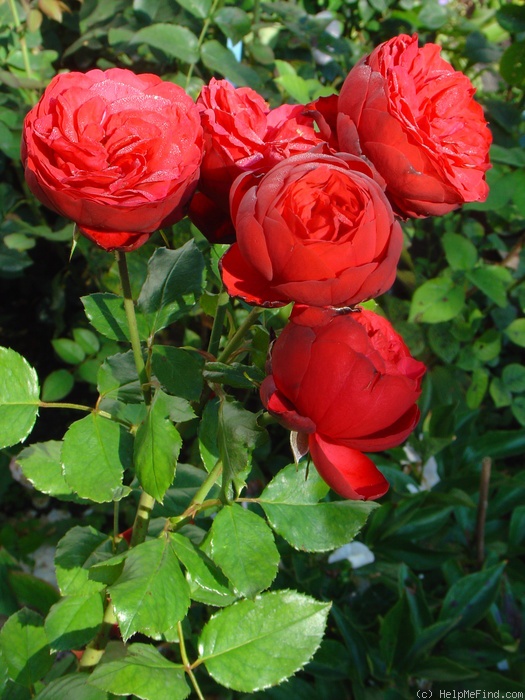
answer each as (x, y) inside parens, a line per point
(241, 134)
(414, 117)
(117, 153)
(349, 383)
(316, 229)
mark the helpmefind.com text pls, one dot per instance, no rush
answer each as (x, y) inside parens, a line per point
(465, 694)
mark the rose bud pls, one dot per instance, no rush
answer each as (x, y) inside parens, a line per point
(117, 153)
(348, 383)
(241, 134)
(414, 117)
(317, 229)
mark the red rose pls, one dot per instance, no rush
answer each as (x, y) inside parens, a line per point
(117, 153)
(241, 134)
(349, 383)
(414, 117)
(316, 229)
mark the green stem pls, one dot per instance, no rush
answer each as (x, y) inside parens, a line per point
(146, 502)
(129, 307)
(74, 406)
(88, 409)
(186, 662)
(21, 38)
(140, 526)
(204, 30)
(199, 499)
(237, 338)
(116, 505)
(95, 649)
(216, 331)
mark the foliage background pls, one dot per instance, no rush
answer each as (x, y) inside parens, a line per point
(442, 604)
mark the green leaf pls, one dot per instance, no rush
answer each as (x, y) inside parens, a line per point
(436, 301)
(41, 464)
(198, 8)
(19, 392)
(174, 277)
(242, 545)
(516, 332)
(461, 253)
(207, 583)
(442, 342)
(478, 388)
(238, 436)
(24, 648)
(233, 22)
(433, 16)
(77, 551)
(143, 672)
(179, 371)
(427, 639)
(474, 648)
(237, 375)
(74, 621)
(157, 447)
(68, 350)
(242, 646)
(151, 595)
(95, 453)
(493, 282)
(513, 376)
(512, 64)
(518, 409)
(511, 17)
(219, 59)
(438, 668)
(509, 156)
(488, 346)
(517, 527)
(499, 393)
(396, 634)
(117, 379)
(106, 313)
(87, 340)
(471, 596)
(208, 430)
(71, 686)
(173, 40)
(31, 591)
(290, 502)
(57, 385)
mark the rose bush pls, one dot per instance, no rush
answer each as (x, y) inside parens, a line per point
(316, 229)
(117, 153)
(414, 117)
(241, 134)
(349, 383)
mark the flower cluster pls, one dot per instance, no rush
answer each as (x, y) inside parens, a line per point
(311, 197)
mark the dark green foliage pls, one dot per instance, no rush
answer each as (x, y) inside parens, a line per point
(442, 604)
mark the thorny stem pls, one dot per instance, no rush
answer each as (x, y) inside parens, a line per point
(486, 466)
(199, 499)
(140, 526)
(237, 338)
(95, 649)
(129, 307)
(21, 38)
(216, 331)
(116, 505)
(204, 30)
(186, 662)
(146, 502)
